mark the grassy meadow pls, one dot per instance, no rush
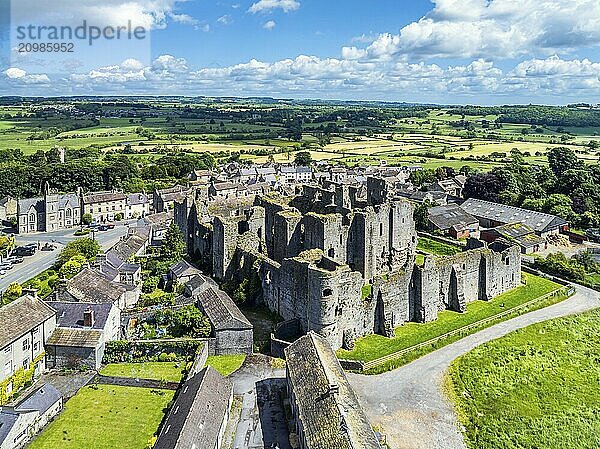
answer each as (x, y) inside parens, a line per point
(538, 387)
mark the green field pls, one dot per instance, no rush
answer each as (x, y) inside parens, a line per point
(535, 388)
(226, 364)
(373, 347)
(106, 417)
(165, 371)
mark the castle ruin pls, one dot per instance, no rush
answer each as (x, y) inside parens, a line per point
(341, 259)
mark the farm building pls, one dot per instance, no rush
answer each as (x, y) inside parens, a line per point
(491, 215)
(453, 221)
(518, 233)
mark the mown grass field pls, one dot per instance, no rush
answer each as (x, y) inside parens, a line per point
(375, 346)
(106, 417)
(538, 387)
(226, 364)
(165, 371)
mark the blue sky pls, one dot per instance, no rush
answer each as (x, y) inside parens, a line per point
(442, 51)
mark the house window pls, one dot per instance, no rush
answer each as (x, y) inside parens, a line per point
(36, 346)
(8, 368)
(8, 349)
(26, 363)
(25, 345)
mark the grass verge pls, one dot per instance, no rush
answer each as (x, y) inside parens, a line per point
(373, 347)
(106, 417)
(533, 388)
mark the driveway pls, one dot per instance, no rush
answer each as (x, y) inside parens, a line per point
(408, 404)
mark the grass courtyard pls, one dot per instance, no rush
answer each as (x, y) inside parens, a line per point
(537, 387)
(165, 371)
(226, 364)
(106, 417)
(373, 347)
(436, 248)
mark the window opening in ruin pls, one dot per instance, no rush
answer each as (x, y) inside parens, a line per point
(331, 253)
(327, 292)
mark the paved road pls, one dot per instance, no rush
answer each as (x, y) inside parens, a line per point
(43, 260)
(408, 404)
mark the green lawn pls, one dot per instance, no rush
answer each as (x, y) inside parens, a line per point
(431, 246)
(375, 346)
(226, 364)
(534, 388)
(106, 417)
(167, 371)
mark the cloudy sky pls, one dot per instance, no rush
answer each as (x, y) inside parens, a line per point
(442, 51)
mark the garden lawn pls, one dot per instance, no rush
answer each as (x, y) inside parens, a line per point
(226, 364)
(437, 248)
(167, 371)
(534, 388)
(375, 346)
(106, 417)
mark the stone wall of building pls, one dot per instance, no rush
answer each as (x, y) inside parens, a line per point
(343, 264)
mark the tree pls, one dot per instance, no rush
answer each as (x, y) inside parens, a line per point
(85, 247)
(12, 292)
(303, 158)
(189, 321)
(173, 245)
(421, 215)
(71, 267)
(87, 218)
(562, 159)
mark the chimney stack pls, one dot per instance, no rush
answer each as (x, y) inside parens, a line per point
(30, 292)
(88, 318)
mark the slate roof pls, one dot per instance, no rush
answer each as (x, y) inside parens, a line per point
(521, 234)
(90, 286)
(446, 217)
(75, 338)
(501, 213)
(328, 408)
(130, 246)
(7, 421)
(70, 314)
(221, 310)
(198, 412)
(69, 200)
(200, 283)
(134, 199)
(20, 316)
(37, 203)
(220, 186)
(184, 267)
(41, 399)
(162, 219)
(103, 197)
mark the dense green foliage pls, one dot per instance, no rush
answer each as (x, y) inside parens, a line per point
(534, 388)
(567, 188)
(580, 268)
(136, 351)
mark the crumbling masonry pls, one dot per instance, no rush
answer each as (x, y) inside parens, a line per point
(341, 260)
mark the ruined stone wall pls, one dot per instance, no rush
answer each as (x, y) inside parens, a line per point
(225, 235)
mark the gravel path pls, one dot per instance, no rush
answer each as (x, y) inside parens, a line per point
(408, 404)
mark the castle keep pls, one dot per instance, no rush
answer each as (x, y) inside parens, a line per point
(340, 259)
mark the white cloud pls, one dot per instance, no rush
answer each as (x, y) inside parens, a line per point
(224, 20)
(269, 5)
(551, 80)
(269, 25)
(494, 28)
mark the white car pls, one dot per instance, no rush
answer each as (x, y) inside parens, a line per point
(2, 272)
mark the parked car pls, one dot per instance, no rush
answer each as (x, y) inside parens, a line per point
(6, 266)
(2, 272)
(110, 225)
(24, 251)
(103, 228)
(15, 260)
(48, 247)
